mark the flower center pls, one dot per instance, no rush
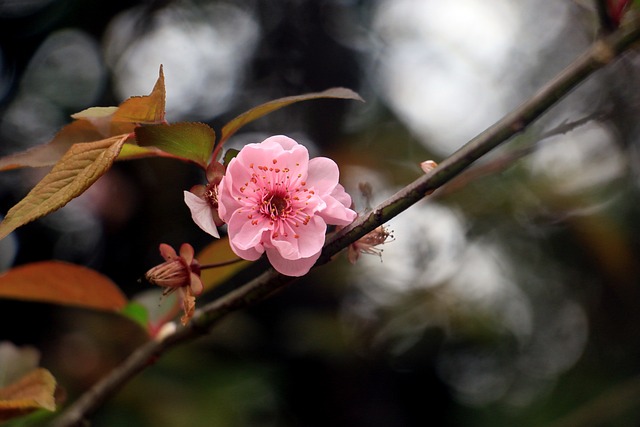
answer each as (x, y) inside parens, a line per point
(211, 195)
(275, 206)
(278, 205)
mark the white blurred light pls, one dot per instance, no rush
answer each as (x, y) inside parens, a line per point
(429, 242)
(204, 52)
(431, 252)
(440, 65)
(67, 70)
(580, 160)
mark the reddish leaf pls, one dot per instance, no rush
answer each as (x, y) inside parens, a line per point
(80, 167)
(190, 141)
(58, 282)
(31, 392)
(268, 107)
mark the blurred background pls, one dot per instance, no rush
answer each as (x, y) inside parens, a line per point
(509, 297)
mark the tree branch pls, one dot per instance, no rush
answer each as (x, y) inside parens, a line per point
(598, 55)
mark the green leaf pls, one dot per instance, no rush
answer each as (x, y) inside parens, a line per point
(268, 107)
(159, 308)
(187, 140)
(136, 312)
(62, 283)
(134, 151)
(229, 155)
(80, 167)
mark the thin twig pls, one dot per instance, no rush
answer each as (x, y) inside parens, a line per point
(260, 288)
(221, 264)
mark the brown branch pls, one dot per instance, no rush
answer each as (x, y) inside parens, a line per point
(260, 288)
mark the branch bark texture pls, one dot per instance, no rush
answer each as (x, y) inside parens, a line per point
(599, 54)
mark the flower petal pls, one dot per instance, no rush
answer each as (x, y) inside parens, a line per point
(196, 284)
(245, 233)
(250, 254)
(336, 213)
(275, 152)
(295, 268)
(341, 196)
(245, 238)
(167, 252)
(202, 214)
(310, 240)
(283, 141)
(226, 203)
(187, 252)
(323, 175)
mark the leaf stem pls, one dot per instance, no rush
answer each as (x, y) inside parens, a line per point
(268, 283)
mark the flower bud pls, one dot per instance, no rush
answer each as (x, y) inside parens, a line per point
(170, 274)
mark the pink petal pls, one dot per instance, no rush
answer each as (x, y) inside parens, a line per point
(341, 196)
(336, 213)
(283, 141)
(250, 254)
(167, 252)
(226, 203)
(187, 252)
(244, 234)
(323, 175)
(309, 241)
(287, 153)
(196, 284)
(201, 213)
(256, 155)
(235, 226)
(238, 174)
(295, 268)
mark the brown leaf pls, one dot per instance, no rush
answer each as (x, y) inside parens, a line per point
(58, 282)
(216, 252)
(80, 167)
(48, 154)
(144, 109)
(31, 392)
(95, 124)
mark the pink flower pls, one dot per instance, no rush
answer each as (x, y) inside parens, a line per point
(367, 244)
(178, 272)
(202, 201)
(275, 200)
